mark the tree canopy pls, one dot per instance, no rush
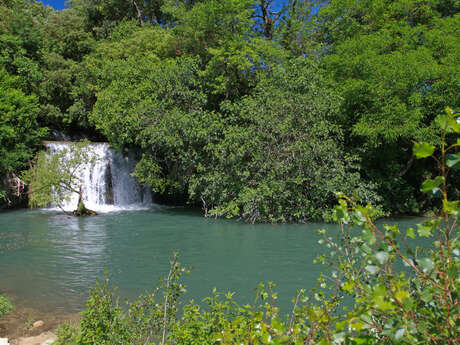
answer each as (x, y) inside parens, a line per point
(191, 83)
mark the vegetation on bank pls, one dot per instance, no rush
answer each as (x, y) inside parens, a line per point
(240, 108)
(5, 306)
(381, 286)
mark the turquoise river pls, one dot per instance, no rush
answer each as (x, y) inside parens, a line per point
(49, 261)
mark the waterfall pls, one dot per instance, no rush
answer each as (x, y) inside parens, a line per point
(107, 184)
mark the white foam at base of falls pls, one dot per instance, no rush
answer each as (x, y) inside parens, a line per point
(107, 184)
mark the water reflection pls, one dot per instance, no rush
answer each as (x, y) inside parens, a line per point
(79, 253)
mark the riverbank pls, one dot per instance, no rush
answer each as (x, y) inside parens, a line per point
(29, 326)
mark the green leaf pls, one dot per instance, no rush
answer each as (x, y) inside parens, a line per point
(372, 269)
(427, 295)
(432, 185)
(450, 122)
(399, 334)
(411, 233)
(423, 150)
(454, 125)
(278, 325)
(382, 257)
(401, 295)
(361, 341)
(382, 304)
(380, 290)
(442, 122)
(450, 207)
(426, 264)
(339, 338)
(348, 286)
(424, 230)
(449, 111)
(453, 161)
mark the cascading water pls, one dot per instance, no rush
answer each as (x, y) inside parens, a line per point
(107, 183)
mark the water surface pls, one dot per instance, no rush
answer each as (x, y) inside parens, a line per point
(53, 259)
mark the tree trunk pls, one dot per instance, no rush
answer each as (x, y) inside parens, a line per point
(81, 210)
(139, 13)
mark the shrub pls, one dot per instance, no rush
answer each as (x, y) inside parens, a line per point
(392, 305)
(5, 306)
(67, 334)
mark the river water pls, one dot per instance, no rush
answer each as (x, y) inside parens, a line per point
(49, 261)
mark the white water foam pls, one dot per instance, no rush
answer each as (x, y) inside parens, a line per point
(107, 184)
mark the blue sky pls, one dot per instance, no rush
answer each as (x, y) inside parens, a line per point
(56, 4)
(60, 4)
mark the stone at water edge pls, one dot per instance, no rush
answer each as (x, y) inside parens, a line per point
(4, 341)
(38, 323)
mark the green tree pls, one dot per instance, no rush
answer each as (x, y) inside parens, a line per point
(281, 157)
(53, 178)
(297, 31)
(99, 69)
(66, 44)
(220, 34)
(394, 64)
(21, 41)
(102, 16)
(20, 133)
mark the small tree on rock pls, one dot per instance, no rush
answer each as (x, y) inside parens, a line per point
(52, 179)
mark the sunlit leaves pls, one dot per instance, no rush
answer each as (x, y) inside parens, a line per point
(423, 150)
(451, 207)
(432, 185)
(425, 229)
(372, 269)
(382, 257)
(410, 233)
(426, 264)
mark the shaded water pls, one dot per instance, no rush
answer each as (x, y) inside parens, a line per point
(55, 259)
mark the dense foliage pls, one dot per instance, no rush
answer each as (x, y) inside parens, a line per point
(394, 64)
(385, 285)
(241, 107)
(19, 134)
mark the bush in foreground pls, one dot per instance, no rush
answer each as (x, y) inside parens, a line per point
(5, 306)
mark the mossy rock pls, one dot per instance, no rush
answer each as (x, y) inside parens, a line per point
(82, 211)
